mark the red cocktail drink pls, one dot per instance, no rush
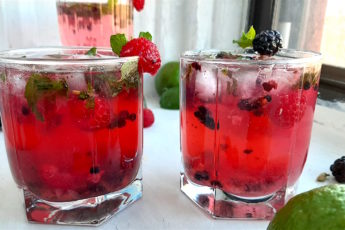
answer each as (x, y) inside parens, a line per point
(245, 128)
(73, 131)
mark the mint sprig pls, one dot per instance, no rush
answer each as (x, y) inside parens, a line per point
(3, 77)
(117, 41)
(38, 87)
(92, 51)
(246, 39)
(146, 35)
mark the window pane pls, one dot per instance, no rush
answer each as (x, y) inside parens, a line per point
(333, 37)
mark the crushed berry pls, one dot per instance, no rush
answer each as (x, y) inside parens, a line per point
(244, 104)
(216, 184)
(25, 111)
(94, 170)
(123, 114)
(132, 116)
(249, 215)
(256, 105)
(268, 86)
(204, 116)
(306, 85)
(203, 175)
(117, 123)
(196, 66)
(121, 123)
(248, 151)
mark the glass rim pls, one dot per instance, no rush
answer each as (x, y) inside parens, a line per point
(8, 56)
(289, 57)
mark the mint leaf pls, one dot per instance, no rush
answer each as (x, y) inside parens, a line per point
(38, 87)
(92, 51)
(117, 41)
(3, 77)
(130, 74)
(246, 39)
(146, 35)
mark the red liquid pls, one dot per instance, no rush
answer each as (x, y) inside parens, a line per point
(75, 152)
(92, 24)
(249, 142)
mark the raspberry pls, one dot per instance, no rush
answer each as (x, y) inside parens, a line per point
(149, 58)
(148, 117)
(268, 86)
(290, 110)
(90, 118)
(138, 4)
(267, 42)
(338, 169)
(100, 118)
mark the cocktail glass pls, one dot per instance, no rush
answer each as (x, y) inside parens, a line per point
(91, 23)
(73, 132)
(246, 123)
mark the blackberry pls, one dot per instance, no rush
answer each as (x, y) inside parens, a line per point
(267, 42)
(123, 114)
(94, 170)
(204, 116)
(338, 169)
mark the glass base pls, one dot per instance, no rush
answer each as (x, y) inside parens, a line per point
(91, 211)
(220, 204)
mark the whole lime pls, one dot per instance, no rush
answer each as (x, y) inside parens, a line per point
(170, 99)
(167, 77)
(320, 208)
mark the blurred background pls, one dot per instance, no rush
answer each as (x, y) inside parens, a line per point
(179, 25)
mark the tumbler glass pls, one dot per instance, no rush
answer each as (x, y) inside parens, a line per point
(246, 122)
(73, 132)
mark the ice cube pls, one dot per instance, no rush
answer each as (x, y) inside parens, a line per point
(206, 83)
(76, 81)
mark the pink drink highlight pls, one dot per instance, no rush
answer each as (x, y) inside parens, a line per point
(92, 24)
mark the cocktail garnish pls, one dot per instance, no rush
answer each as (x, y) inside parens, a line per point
(267, 42)
(149, 57)
(246, 39)
(92, 51)
(38, 87)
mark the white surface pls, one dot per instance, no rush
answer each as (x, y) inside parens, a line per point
(163, 206)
